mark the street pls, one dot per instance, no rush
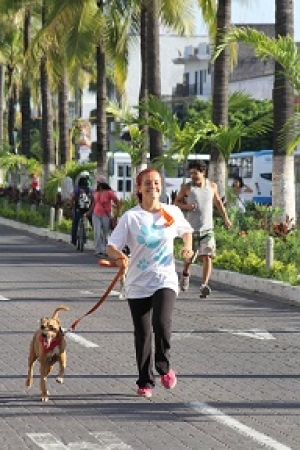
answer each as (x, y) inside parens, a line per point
(236, 355)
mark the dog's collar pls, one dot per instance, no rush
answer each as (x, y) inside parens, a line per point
(53, 344)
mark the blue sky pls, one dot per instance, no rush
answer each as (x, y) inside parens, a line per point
(258, 11)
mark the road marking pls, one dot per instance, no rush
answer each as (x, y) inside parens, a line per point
(81, 340)
(255, 334)
(47, 441)
(3, 298)
(116, 293)
(222, 418)
(108, 441)
(178, 335)
(86, 292)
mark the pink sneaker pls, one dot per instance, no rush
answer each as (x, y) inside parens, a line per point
(144, 392)
(169, 380)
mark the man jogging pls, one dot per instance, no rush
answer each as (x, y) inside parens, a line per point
(197, 199)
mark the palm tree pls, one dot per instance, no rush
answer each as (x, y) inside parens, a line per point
(85, 27)
(184, 139)
(287, 132)
(26, 94)
(217, 167)
(283, 182)
(63, 119)
(176, 15)
(47, 112)
(153, 71)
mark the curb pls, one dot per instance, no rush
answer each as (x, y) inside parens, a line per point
(285, 292)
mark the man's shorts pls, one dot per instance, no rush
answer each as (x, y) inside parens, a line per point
(205, 244)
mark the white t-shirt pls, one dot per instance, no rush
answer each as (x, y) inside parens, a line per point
(241, 201)
(151, 243)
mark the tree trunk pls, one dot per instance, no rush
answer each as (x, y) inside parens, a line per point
(101, 119)
(283, 184)
(26, 93)
(47, 115)
(153, 71)
(2, 79)
(101, 112)
(11, 103)
(143, 95)
(63, 146)
(217, 167)
(47, 123)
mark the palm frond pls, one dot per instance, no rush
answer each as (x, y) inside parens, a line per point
(292, 130)
(179, 15)
(160, 118)
(283, 49)
(260, 126)
(12, 161)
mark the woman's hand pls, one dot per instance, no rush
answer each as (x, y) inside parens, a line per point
(122, 262)
(186, 253)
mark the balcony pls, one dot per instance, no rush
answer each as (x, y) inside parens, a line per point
(192, 90)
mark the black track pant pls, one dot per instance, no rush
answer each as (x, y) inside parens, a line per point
(152, 313)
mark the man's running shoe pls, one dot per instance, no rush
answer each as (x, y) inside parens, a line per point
(184, 282)
(205, 290)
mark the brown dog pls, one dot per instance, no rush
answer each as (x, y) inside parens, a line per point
(48, 346)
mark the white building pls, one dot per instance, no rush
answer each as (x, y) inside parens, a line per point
(251, 75)
(171, 47)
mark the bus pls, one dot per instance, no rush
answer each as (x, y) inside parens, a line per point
(120, 174)
(255, 167)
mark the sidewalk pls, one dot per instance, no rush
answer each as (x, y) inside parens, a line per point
(285, 292)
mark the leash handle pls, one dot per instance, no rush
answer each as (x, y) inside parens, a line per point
(104, 296)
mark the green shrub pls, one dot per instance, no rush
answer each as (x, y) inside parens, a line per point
(228, 260)
(283, 272)
(65, 226)
(253, 264)
(239, 251)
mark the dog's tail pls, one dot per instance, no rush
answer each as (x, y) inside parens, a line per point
(60, 308)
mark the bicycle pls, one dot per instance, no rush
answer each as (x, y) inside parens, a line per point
(83, 227)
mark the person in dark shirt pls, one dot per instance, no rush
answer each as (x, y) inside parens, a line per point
(80, 202)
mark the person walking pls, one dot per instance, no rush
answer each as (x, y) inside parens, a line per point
(151, 283)
(104, 198)
(197, 199)
(240, 188)
(81, 200)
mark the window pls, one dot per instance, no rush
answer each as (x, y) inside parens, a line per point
(266, 176)
(120, 170)
(242, 167)
(196, 83)
(128, 185)
(120, 185)
(201, 82)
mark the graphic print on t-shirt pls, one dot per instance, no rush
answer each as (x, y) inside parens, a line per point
(151, 238)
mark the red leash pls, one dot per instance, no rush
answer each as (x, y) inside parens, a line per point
(102, 262)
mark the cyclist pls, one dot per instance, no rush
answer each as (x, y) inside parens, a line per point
(81, 202)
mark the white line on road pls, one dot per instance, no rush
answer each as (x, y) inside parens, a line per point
(107, 441)
(222, 418)
(47, 441)
(117, 293)
(3, 298)
(254, 333)
(178, 335)
(80, 340)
